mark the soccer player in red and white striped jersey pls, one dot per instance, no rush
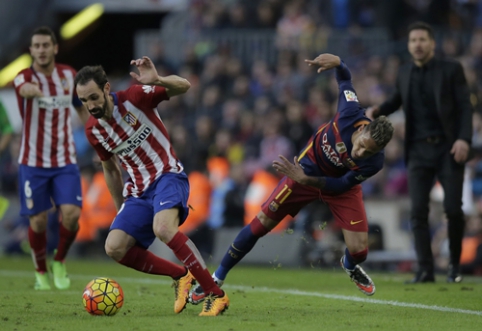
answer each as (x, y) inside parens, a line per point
(48, 169)
(126, 126)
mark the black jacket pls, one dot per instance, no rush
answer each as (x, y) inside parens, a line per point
(452, 99)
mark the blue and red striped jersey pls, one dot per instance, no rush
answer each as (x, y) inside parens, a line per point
(328, 153)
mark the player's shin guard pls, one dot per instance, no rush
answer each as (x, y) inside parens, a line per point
(242, 245)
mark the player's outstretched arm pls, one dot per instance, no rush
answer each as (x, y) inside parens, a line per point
(296, 173)
(148, 75)
(325, 62)
(113, 178)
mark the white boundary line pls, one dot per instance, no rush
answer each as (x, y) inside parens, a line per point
(9, 273)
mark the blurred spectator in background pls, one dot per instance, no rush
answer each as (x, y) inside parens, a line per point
(436, 101)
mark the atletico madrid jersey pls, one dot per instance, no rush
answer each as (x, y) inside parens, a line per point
(328, 153)
(47, 139)
(136, 134)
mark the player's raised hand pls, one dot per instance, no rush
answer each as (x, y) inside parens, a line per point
(291, 170)
(325, 62)
(147, 71)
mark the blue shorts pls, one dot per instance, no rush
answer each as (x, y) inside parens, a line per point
(40, 187)
(136, 215)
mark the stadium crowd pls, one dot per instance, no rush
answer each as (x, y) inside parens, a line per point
(240, 115)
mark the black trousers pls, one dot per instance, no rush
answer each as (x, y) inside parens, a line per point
(426, 163)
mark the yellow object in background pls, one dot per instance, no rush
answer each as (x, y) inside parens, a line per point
(4, 203)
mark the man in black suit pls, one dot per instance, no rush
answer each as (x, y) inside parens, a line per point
(438, 127)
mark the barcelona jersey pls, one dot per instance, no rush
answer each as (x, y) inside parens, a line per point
(328, 153)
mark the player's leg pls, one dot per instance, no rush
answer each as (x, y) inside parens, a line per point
(355, 253)
(451, 176)
(34, 203)
(129, 237)
(286, 199)
(67, 194)
(350, 215)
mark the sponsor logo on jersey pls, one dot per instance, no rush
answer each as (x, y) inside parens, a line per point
(134, 141)
(330, 153)
(130, 119)
(20, 79)
(350, 96)
(148, 89)
(62, 101)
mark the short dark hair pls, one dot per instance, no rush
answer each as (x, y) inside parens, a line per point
(422, 26)
(88, 73)
(46, 31)
(381, 130)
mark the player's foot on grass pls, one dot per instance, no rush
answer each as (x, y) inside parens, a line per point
(197, 295)
(181, 291)
(61, 279)
(215, 305)
(42, 282)
(360, 278)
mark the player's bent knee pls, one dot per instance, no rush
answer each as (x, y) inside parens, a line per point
(116, 252)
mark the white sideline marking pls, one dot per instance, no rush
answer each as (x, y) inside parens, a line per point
(9, 273)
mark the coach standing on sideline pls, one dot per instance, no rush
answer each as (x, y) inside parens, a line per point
(438, 127)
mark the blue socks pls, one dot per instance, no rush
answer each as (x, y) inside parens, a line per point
(242, 245)
(348, 262)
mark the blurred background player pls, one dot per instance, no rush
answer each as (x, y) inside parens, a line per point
(337, 159)
(48, 171)
(126, 125)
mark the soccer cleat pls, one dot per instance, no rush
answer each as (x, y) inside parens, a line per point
(215, 305)
(42, 282)
(181, 291)
(61, 280)
(197, 295)
(454, 275)
(360, 278)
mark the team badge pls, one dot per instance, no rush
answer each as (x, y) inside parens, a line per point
(273, 206)
(65, 84)
(350, 96)
(340, 147)
(349, 163)
(130, 119)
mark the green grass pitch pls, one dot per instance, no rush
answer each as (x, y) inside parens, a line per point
(261, 299)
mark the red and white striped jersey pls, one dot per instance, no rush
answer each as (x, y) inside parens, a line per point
(47, 139)
(136, 134)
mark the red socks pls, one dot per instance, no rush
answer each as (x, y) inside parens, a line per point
(142, 260)
(38, 245)
(66, 238)
(187, 253)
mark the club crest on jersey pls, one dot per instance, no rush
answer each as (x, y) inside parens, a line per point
(340, 147)
(65, 84)
(273, 206)
(130, 119)
(350, 96)
(148, 89)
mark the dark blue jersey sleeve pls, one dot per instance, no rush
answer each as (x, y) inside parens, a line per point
(352, 178)
(342, 73)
